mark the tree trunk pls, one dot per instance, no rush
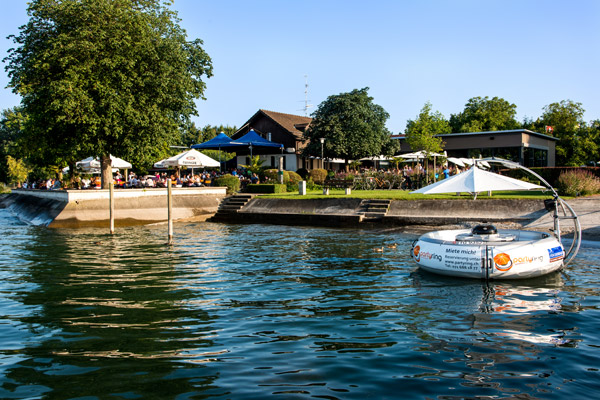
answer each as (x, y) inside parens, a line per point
(72, 174)
(106, 171)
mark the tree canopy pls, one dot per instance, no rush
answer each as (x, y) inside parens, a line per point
(420, 133)
(352, 125)
(578, 142)
(100, 77)
(482, 114)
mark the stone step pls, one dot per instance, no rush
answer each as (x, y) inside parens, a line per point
(380, 201)
(229, 207)
(378, 207)
(238, 202)
(373, 215)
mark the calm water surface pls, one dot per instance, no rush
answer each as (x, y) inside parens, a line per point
(255, 312)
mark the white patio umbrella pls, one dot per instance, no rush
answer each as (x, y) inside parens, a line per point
(94, 163)
(423, 155)
(160, 164)
(476, 180)
(191, 158)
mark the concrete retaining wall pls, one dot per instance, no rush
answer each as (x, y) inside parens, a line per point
(347, 212)
(90, 208)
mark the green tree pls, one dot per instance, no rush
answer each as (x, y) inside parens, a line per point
(578, 143)
(421, 133)
(101, 77)
(17, 170)
(352, 125)
(482, 114)
(11, 126)
(256, 165)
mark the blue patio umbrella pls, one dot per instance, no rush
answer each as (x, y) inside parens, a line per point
(218, 142)
(221, 141)
(254, 140)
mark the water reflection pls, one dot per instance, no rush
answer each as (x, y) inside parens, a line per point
(238, 311)
(103, 301)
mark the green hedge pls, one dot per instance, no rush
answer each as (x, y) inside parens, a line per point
(266, 188)
(231, 182)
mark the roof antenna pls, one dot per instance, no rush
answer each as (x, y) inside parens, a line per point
(306, 105)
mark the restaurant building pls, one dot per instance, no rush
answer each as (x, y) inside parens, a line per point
(531, 149)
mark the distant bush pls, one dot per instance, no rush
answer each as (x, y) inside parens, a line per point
(303, 172)
(578, 183)
(231, 182)
(266, 188)
(318, 175)
(294, 177)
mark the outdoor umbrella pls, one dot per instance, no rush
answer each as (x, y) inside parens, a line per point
(476, 180)
(92, 163)
(218, 142)
(191, 158)
(254, 140)
(221, 141)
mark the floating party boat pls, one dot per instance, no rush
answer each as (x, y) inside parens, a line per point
(485, 252)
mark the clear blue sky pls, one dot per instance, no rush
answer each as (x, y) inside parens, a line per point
(529, 52)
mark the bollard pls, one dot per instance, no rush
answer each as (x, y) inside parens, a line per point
(302, 188)
(169, 212)
(111, 202)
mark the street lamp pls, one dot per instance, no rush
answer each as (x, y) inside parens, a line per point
(322, 160)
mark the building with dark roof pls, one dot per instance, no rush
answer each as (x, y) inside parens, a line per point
(277, 127)
(531, 149)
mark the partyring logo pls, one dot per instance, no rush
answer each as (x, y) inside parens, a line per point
(416, 252)
(503, 262)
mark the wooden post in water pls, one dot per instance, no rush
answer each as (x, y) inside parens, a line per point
(169, 212)
(111, 196)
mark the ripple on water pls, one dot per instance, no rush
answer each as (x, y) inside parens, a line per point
(255, 311)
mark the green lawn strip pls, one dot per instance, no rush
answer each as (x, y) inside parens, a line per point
(405, 195)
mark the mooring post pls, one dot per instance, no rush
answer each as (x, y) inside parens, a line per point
(169, 212)
(111, 196)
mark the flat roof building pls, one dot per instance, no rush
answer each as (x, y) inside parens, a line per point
(529, 148)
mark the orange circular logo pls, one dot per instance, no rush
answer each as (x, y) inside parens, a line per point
(416, 251)
(503, 262)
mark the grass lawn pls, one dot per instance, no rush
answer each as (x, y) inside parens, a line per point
(405, 195)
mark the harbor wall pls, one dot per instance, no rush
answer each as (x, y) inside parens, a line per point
(90, 208)
(350, 212)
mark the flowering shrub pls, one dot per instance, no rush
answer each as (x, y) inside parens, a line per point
(578, 183)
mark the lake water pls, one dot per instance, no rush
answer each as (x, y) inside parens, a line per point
(260, 311)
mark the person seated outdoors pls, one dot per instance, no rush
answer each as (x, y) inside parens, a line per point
(254, 179)
(56, 185)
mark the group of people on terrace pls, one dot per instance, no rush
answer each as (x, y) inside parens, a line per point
(157, 180)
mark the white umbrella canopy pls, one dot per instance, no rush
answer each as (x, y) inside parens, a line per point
(160, 164)
(476, 180)
(420, 154)
(93, 163)
(191, 158)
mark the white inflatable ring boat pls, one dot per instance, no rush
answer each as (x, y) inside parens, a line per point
(487, 253)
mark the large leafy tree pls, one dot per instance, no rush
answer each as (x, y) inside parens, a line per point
(578, 142)
(352, 125)
(101, 77)
(483, 114)
(421, 132)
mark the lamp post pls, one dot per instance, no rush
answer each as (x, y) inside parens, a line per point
(322, 160)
